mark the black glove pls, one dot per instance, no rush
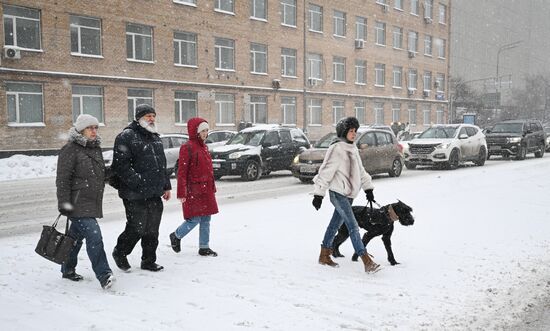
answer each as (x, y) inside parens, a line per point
(317, 201)
(370, 195)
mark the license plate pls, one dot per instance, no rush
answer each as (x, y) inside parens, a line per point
(494, 147)
(421, 156)
(216, 165)
(308, 168)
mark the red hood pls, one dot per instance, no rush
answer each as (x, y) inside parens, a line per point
(192, 126)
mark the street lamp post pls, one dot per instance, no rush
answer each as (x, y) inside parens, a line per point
(500, 50)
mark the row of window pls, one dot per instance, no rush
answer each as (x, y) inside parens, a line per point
(25, 106)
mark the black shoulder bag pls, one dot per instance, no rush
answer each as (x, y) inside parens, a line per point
(54, 245)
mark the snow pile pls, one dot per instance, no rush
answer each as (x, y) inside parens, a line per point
(25, 167)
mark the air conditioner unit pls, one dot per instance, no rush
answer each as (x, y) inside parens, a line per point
(12, 53)
(312, 82)
(276, 83)
(359, 43)
(411, 54)
(426, 94)
(428, 20)
(410, 91)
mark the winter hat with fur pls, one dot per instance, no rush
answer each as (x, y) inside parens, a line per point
(202, 126)
(144, 109)
(83, 121)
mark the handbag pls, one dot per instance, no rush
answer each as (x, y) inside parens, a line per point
(54, 245)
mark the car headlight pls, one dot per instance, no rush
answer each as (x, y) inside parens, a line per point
(296, 159)
(514, 140)
(444, 146)
(235, 155)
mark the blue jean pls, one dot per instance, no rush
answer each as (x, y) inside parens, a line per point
(343, 214)
(88, 228)
(204, 230)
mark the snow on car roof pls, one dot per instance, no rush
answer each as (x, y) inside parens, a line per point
(261, 127)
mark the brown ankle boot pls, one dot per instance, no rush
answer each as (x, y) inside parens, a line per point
(370, 265)
(324, 258)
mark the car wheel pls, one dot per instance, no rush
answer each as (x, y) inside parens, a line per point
(410, 166)
(522, 152)
(453, 160)
(481, 157)
(540, 152)
(306, 180)
(396, 168)
(251, 171)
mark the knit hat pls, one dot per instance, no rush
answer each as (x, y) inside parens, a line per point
(202, 126)
(83, 121)
(144, 109)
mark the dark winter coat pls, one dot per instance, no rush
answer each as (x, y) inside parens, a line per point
(140, 164)
(81, 176)
(196, 175)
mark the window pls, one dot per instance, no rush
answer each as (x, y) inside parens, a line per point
(21, 27)
(315, 18)
(226, 6)
(337, 110)
(378, 113)
(258, 58)
(429, 8)
(383, 138)
(439, 113)
(360, 28)
(25, 103)
(398, 4)
(397, 77)
(258, 9)
(427, 80)
(359, 108)
(440, 48)
(412, 79)
(397, 37)
(415, 8)
(288, 108)
(412, 114)
(186, 2)
(360, 72)
(380, 33)
(315, 66)
(339, 24)
(225, 54)
(428, 45)
(225, 109)
(440, 82)
(379, 74)
(315, 111)
(339, 69)
(442, 14)
(139, 42)
(413, 41)
(427, 113)
(288, 12)
(88, 100)
(185, 49)
(185, 106)
(137, 97)
(85, 36)
(368, 139)
(257, 110)
(288, 62)
(396, 112)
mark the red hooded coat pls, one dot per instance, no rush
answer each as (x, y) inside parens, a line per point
(195, 175)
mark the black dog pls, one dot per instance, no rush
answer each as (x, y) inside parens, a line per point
(376, 222)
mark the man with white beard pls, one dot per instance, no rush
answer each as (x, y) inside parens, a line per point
(140, 167)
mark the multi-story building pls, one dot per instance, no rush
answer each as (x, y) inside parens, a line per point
(294, 62)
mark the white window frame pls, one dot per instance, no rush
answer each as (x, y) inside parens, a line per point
(413, 79)
(427, 79)
(440, 82)
(339, 24)
(397, 73)
(315, 16)
(428, 50)
(398, 4)
(441, 45)
(315, 106)
(222, 106)
(288, 60)
(360, 72)
(379, 74)
(17, 95)
(137, 100)
(338, 69)
(415, 7)
(288, 9)
(79, 28)
(412, 45)
(396, 112)
(221, 51)
(15, 18)
(81, 101)
(429, 9)
(397, 37)
(255, 8)
(412, 115)
(337, 110)
(146, 38)
(315, 68)
(192, 3)
(219, 6)
(426, 116)
(439, 115)
(360, 111)
(379, 113)
(181, 44)
(258, 52)
(442, 14)
(361, 28)
(380, 33)
(179, 106)
(288, 109)
(257, 105)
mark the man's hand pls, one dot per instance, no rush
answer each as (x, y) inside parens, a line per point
(167, 194)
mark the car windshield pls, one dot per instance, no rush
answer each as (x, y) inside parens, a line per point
(508, 128)
(326, 141)
(252, 138)
(439, 132)
(409, 136)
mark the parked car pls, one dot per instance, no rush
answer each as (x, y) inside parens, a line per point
(258, 150)
(379, 150)
(171, 143)
(447, 146)
(218, 138)
(516, 138)
(547, 132)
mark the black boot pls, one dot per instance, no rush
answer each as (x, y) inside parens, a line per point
(121, 260)
(175, 242)
(207, 252)
(73, 276)
(151, 266)
(107, 282)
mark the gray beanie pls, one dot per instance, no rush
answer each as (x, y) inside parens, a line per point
(83, 121)
(144, 109)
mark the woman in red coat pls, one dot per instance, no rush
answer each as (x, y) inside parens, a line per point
(196, 187)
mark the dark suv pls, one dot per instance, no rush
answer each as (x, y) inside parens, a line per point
(516, 138)
(258, 150)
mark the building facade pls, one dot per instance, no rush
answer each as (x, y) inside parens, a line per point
(293, 62)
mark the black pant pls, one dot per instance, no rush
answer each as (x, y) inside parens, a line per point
(142, 222)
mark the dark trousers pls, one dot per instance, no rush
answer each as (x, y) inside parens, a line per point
(142, 223)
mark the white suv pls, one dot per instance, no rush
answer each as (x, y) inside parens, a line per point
(447, 146)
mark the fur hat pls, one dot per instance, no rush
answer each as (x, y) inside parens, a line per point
(344, 125)
(83, 121)
(202, 126)
(144, 109)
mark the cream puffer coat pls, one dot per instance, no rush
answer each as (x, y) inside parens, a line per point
(342, 172)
